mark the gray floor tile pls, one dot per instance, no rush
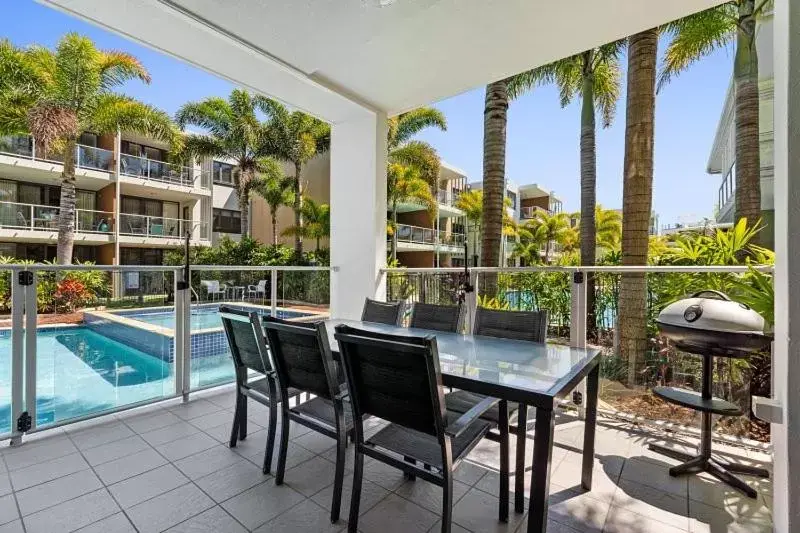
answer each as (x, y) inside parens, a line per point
(151, 421)
(186, 446)
(114, 450)
(217, 418)
(255, 444)
(621, 521)
(8, 509)
(454, 528)
(653, 503)
(578, 510)
(262, 503)
(125, 467)
(73, 514)
(428, 495)
(232, 480)
(5, 484)
(102, 434)
(315, 442)
(306, 517)
(169, 509)
(311, 476)
(194, 409)
(169, 433)
(48, 470)
(220, 433)
(208, 461)
(40, 451)
(116, 523)
(59, 490)
(477, 511)
(388, 477)
(469, 473)
(215, 520)
(654, 475)
(139, 488)
(371, 494)
(394, 514)
(12, 527)
(709, 519)
(295, 455)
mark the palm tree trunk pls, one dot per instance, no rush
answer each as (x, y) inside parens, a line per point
(748, 160)
(273, 214)
(637, 195)
(495, 117)
(243, 191)
(66, 213)
(588, 148)
(298, 214)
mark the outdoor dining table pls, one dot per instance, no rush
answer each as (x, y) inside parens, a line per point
(531, 374)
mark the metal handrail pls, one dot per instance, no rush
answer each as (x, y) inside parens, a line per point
(437, 237)
(178, 225)
(81, 151)
(608, 269)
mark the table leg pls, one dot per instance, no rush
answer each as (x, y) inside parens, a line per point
(540, 479)
(592, 389)
(519, 467)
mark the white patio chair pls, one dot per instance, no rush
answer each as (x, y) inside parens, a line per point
(254, 291)
(212, 289)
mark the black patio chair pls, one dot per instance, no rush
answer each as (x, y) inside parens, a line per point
(302, 360)
(249, 351)
(436, 317)
(382, 312)
(519, 325)
(398, 379)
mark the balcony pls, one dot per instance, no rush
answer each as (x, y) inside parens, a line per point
(86, 157)
(422, 239)
(156, 227)
(160, 172)
(20, 221)
(529, 212)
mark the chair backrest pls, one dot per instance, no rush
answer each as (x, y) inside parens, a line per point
(262, 285)
(245, 338)
(519, 325)
(436, 317)
(396, 378)
(301, 357)
(382, 312)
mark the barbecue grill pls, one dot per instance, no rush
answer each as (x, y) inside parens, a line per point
(709, 324)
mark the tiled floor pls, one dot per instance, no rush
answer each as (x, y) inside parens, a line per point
(167, 468)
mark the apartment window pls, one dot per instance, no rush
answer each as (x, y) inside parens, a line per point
(513, 197)
(227, 221)
(224, 174)
(8, 249)
(142, 256)
(88, 139)
(147, 152)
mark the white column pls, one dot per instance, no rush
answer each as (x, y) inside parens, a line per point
(786, 352)
(358, 212)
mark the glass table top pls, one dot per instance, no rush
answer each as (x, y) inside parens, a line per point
(529, 366)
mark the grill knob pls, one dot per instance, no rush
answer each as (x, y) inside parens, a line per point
(692, 313)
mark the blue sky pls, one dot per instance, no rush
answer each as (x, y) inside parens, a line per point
(542, 137)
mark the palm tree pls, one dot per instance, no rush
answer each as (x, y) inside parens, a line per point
(608, 224)
(316, 222)
(57, 95)
(699, 35)
(471, 203)
(233, 132)
(404, 184)
(637, 194)
(406, 151)
(276, 192)
(546, 229)
(294, 137)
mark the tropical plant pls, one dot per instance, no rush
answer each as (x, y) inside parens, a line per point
(405, 151)
(404, 184)
(276, 192)
(697, 36)
(232, 131)
(471, 203)
(608, 226)
(57, 95)
(294, 137)
(637, 194)
(316, 222)
(545, 228)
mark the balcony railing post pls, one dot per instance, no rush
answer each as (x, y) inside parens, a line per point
(577, 326)
(31, 318)
(273, 292)
(183, 348)
(471, 302)
(17, 355)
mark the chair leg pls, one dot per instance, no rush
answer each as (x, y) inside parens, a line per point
(355, 496)
(284, 445)
(236, 417)
(271, 428)
(447, 501)
(243, 420)
(410, 477)
(338, 478)
(504, 460)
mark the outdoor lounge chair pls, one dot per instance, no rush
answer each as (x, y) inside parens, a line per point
(302, 360)
(212, 289)
(382, 312)
(249, 350)
(398, 379)
(520, 325)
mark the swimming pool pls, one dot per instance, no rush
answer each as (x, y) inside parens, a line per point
(205, 317)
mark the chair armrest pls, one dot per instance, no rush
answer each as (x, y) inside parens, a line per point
(455, 429)
(252, 287)
(343, 394)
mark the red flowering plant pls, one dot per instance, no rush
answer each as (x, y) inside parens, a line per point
(71, 293)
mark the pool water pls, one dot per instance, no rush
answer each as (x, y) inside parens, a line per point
(80, 372)
(201, 318)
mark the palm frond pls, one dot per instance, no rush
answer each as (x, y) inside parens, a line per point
(77, 76)
(407, 125)
(420, 155)
(212, 114)
(117, 67)
(114, 112)
(607, 88)
(695, 37)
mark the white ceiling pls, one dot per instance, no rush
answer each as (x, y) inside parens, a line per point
(324, 55)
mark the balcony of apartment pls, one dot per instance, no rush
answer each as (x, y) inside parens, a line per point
(21, 222)
(419, 239)
(23, 159)
(141, 176)
(526, 213)
(447, 200)
(161, 232)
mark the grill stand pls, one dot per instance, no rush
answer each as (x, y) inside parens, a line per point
(720, 469)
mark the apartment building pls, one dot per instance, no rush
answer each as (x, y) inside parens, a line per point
(132, 204)
(722, 160)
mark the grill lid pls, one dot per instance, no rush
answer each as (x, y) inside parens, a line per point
(711, 310)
